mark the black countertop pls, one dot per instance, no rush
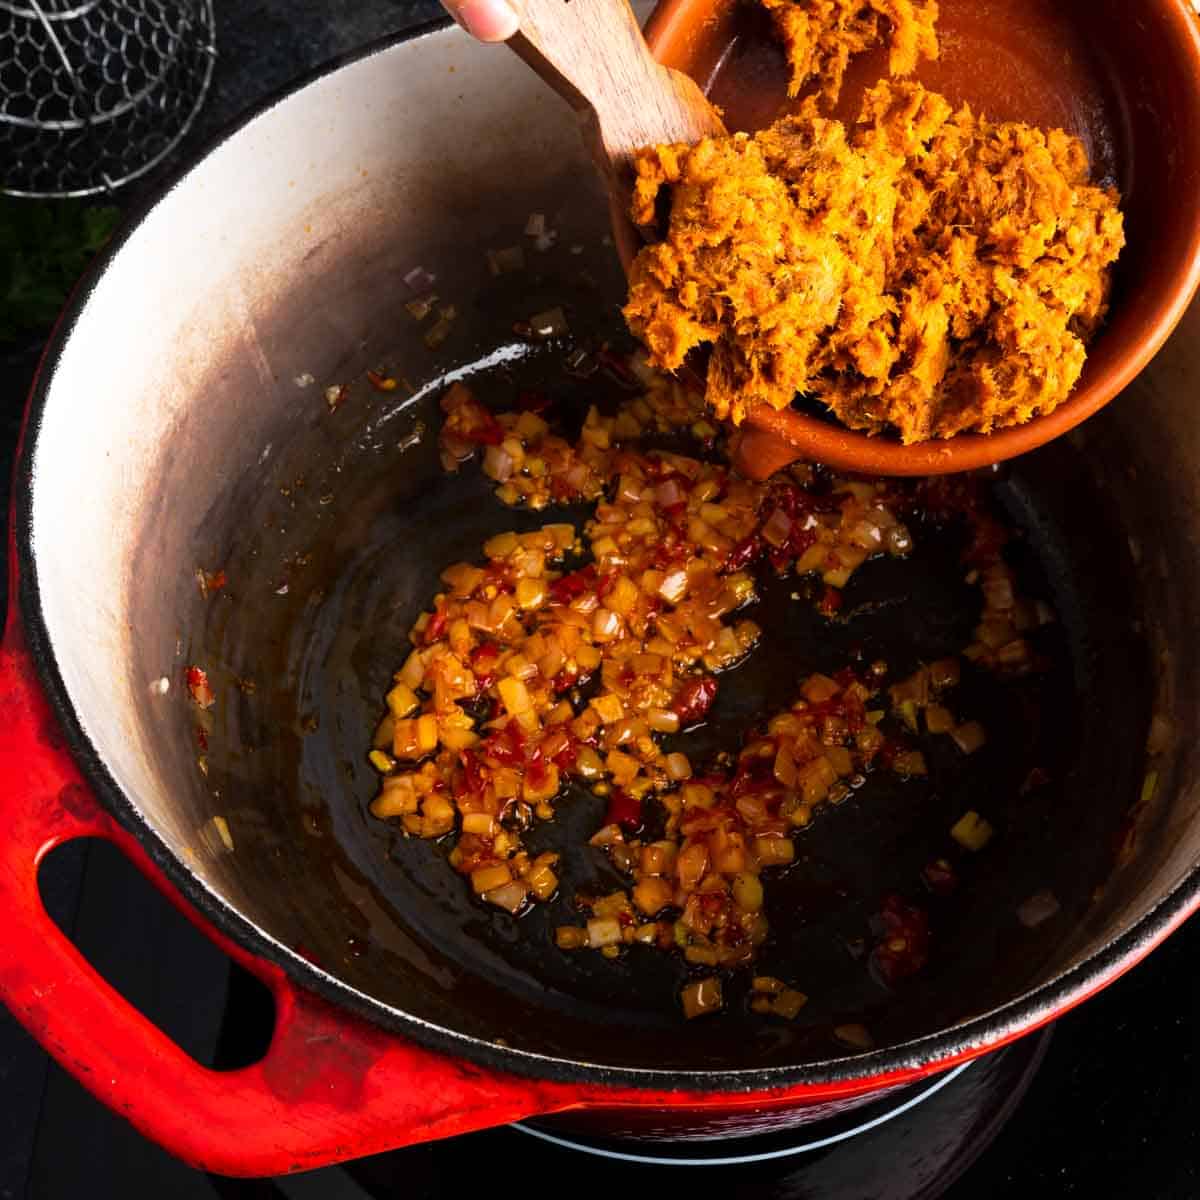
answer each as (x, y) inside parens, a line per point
(1112, 1112)
(262, 46)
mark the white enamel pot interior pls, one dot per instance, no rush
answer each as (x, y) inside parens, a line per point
(181, 423)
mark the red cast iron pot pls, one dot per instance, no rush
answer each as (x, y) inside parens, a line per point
(180, 422)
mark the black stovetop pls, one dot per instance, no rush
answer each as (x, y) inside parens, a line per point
(1112, 1110)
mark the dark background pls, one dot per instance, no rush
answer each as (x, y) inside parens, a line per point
(1114, 1111)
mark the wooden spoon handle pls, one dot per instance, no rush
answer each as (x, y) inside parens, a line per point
(592, 53)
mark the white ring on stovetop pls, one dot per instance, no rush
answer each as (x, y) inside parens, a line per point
(744, 1159)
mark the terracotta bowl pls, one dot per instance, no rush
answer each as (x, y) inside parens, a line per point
(1124, 78)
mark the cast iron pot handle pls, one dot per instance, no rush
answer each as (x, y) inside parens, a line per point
(330, 1087)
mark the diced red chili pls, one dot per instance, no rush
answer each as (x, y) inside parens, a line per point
(436, 627)
(744, 553)
(468, 419)
(753, 775)
(624, 810)
(798, 541)
(677, 516)
(903, 947)
(562, 491)
(669, 552)
(789, 497)
(564, 760)
(570, 587)
(536, 771)
(940, 877)
(1037, 777)
(507, 745)
(474, 779)
(199, 687)
(213, 581)
(487, 435)
(499, 575)
(381, 382)
(694, 699)
(830, 602)
(795, 500)
(483, 659)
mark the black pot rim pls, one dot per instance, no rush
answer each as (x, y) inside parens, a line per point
(933, 1051)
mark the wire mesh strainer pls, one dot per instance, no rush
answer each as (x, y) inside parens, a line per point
(93, 93)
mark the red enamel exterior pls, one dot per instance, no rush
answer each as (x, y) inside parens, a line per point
(331, 1087)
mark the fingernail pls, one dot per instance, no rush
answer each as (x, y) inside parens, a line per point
(488, 20)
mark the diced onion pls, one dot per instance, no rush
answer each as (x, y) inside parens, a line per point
(669, 493)
(774, 851)
(479, 822)
(549, 324)
(652, 894)
(898, 541)
(971, 831)
(662, 720)
(998, 592)
(419, 279)
(777, 528)
(678, 766)
(603, 931)
(674, 587)
(944, 673)
(509, 896)
(606, 624)
(747, 892)
(969, 737)
(857, 1037)
(497, 464)
(701, 997)
(867, 535)
(485, 879)
(514, 696)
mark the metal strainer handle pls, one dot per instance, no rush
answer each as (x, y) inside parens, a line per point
(94, 93)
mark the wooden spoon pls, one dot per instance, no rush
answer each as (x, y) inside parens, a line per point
(592, 53)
